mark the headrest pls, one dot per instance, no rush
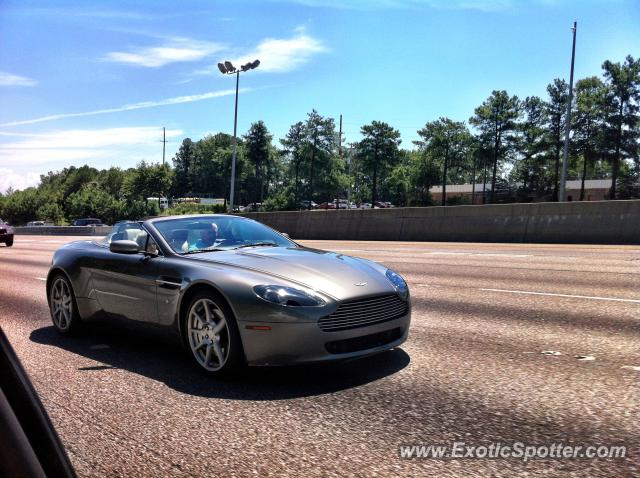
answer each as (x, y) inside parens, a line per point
(180, 235)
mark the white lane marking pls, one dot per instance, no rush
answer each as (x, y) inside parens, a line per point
(99, 347)
(491, 254)
(54, 241)
(585, 358)
(631, 367)
(438, 253)
(476, 254)
(40, 278)
(615, 299)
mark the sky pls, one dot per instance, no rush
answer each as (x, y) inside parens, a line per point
(95, 82)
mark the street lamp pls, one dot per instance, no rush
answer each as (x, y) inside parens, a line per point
(227, 68)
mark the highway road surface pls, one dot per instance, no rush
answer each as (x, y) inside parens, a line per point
(538, 344)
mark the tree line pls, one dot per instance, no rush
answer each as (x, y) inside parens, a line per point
(513, 145)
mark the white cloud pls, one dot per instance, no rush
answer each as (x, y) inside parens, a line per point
(29, 155)
(171, 51)
(9, 79)
(87, 138)
(280, 55)
(12, 179)
(134, 106)
(25, 156)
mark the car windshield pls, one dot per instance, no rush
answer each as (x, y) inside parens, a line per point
(209, 233)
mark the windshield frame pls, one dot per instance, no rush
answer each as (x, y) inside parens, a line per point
(278, 239)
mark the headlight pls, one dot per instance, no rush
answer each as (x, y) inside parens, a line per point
(288, 296)
(399, 283)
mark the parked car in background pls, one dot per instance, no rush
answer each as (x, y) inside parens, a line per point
(365, 205)
(253, 207)
(6, 233)
(163, 203)
(87, 221)
(305, 204)
(344, 204)
(327, 205)
(35, 223)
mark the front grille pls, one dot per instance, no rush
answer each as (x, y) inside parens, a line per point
(3, 231)
(365, 342)
(364, 312)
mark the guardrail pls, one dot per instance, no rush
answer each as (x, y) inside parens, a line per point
(597, 222)
(63, 230)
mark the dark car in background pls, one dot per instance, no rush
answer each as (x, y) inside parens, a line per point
(87, 221)
(6, 233)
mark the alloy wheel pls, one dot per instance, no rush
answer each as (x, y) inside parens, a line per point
(61, 304)
(208, 334)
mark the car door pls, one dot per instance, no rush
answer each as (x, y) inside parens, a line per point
(125, 284)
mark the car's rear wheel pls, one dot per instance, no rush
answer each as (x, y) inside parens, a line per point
(212, 335)
(62, 302)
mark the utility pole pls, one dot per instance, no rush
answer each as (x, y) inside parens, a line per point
(349, 160)
(567, 126)
(340, 155)
(164, 143)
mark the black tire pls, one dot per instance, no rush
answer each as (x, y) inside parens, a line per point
(235, 360)
(9, 241)
(66, 319)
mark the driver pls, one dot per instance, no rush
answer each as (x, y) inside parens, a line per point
(207, 237)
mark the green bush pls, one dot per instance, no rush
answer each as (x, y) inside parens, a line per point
(21, 207)
(187, 208)
(280, 201)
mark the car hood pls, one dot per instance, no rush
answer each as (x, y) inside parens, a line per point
(328, 272)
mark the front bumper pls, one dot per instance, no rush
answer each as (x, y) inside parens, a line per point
(305, 342)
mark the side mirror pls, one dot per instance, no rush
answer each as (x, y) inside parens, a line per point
(124, 247)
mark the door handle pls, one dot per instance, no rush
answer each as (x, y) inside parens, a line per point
(168, 283)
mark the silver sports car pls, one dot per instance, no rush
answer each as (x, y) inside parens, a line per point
(232, 291)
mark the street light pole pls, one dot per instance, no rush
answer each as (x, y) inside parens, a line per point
(567, 126)
(235, 147)
(227, 68)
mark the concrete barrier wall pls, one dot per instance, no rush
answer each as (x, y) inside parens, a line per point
(598, 222)
(64, 230)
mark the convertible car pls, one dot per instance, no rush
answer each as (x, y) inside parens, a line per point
(232, 290)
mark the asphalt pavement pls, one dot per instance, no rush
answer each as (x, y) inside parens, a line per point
(537, 344)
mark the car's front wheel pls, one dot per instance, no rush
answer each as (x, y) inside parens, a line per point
(62, 303)
(9, 241)
(212, 335)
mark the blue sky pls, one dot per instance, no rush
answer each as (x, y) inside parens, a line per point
(95, 82)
